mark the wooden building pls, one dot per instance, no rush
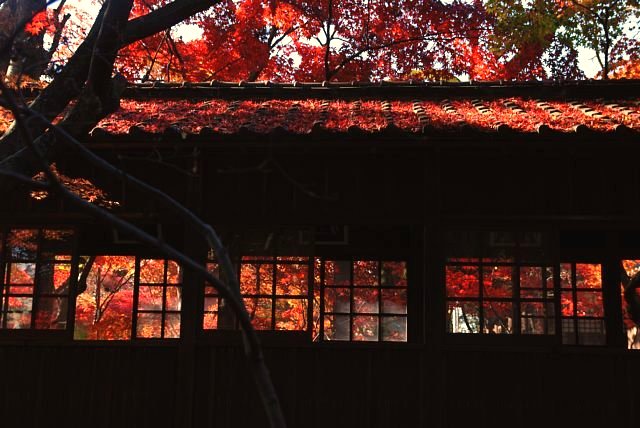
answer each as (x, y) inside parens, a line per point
(442, 255)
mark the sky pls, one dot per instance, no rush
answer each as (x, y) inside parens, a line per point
(587, 60)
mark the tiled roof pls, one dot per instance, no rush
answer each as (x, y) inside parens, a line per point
(218, 110)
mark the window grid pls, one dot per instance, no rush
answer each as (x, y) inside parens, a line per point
(157, 300)
(275, 291)
(371, 319)
(36, 278)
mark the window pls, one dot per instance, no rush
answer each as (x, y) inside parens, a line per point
(362, 300)
(503, 283)
(632, 269)
(275, 291)
(124, 294)
(36, 278)
(581, 303)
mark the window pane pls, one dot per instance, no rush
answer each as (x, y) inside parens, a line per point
(588, 276)
(259, 312)
(291, 314)
(591, 332)
(210, 304)
(535, 277)
(632, 268)
(365, 300)
(463, 317)
(337, 272)
(52, 313)
(365, 328)
(105, 305)
(172, 326)
(337, 300)
(22, 244)
(174, 273)
(292, 280)
(566, 280)
(365, 273)
(210, 321)
(256, 279)
(173, 299)
(336, 327)
(394, 329)
(462, 281)
(566, 302)
(497, 281)
(22, 273)
(394, 274)
(498, 317)
(152, 271)
(149, 325)
(590, 304)
(394, 301)
(150, 298)
(16, 320)
(537, 318)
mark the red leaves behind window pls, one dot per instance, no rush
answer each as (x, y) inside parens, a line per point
(463, 281)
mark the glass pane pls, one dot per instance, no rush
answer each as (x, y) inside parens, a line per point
(394, 329)
(150, 298)
(105, 304)
(20, 304)
(588, 276)
(53, 279)
(292, 280)
(337, 300)
(336, 327)
(149, 325)
(462, 281)
(590, 304)
(22, 244)
(566, 303)
(463, 317)
(22, 273)
(365, 273)
(52, 313)
(365, 328)
(337, 272)
(497, 281)
(568, 331)
(537, 318)
(533, 277)
(316, 315)
(259, 312)
(394, 301)
(632, 332)
(365, 300)
(566, 271)
(16, 320)
(152, 271)
(256, 279)
(591, 332)
(394, 274)
(498, 317)
(532, 294)
(291, 314)
(24, 290)
(173, 298)
(174, 273)
(210, 321)
(172, 326)
(211, 304)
